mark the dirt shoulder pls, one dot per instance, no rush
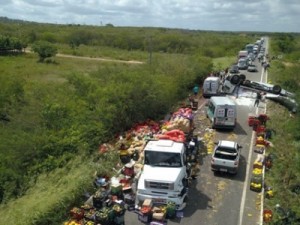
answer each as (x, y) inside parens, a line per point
(99, 59)
(93, 58)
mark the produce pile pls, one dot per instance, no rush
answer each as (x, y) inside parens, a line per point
(180, 120)
(116, 194)
(263, 161)
(258, 123)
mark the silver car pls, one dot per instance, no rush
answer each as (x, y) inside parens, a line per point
(226, 157)
(252, 68)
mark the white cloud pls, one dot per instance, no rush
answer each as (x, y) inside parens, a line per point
(231, 15)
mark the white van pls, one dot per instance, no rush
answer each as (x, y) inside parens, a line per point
(211, 86)
(222, 112)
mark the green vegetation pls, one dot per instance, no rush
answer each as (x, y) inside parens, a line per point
(10, 44)
(163, 40)
(44, 49)
(284, 175)
(54, 117)
(53, 113)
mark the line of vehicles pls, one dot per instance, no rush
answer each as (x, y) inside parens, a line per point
(228, 84)
(222, 110)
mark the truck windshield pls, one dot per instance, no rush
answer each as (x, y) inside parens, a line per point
(162, 159)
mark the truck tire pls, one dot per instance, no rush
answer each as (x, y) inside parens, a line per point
(276, 89)
(247, 83)
(235, 79)
(242, 78)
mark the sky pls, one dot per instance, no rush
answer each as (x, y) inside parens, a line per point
(215, 15)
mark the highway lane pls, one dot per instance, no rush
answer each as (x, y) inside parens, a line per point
(222, 199)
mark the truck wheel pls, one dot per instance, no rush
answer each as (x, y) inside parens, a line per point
(247, 83)
(276, 89)
(235, 79)
(242, 78)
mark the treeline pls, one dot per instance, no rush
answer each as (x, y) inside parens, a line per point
(206, 43)
(287, 46)
(10, 44)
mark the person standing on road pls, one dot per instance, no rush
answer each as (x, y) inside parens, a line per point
(257, 99)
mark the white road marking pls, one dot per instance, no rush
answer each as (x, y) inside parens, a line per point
(246, 184)
(243, 201)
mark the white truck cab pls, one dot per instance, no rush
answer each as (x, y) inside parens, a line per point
(164, 174)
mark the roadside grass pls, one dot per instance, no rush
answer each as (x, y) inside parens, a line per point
(286, 74)
(50, 197)
(50, 191)
(28, 67)
(223, 62)
(285, 169)
(109, 53)
(104, 52)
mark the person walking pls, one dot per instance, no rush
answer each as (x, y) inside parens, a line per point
(257, 99)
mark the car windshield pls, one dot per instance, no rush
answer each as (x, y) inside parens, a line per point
(162, 159)
(226, 153)
(234, 69)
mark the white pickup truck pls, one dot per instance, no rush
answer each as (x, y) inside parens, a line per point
(164, 176)
(226, 157)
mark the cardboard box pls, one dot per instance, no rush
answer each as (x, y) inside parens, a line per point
(158, 216)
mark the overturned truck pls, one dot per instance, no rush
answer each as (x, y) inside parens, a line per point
(273, 92)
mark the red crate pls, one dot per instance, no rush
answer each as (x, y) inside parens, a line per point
(252, 119)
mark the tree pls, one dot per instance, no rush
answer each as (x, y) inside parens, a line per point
(44, 49)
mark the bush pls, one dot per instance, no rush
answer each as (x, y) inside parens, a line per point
(44, 49)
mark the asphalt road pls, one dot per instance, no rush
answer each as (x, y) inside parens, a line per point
(222, 199)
